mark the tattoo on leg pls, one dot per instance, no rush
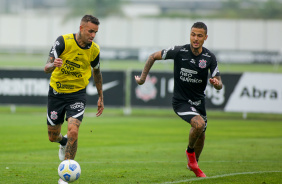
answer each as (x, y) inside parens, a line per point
(196, 130)
(199, 145)
(71, 150)
(54, 133)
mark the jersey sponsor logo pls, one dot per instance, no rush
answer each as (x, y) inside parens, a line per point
(73, 64)
(69, 38)
(187, 71)
(186, 75)
(54, 115)
(193, 61)
(183, 59)
(206, 54)
(64, 86)
(69, 67)
(202, 63)
(66, 72)
(183, 50)
(148, 90)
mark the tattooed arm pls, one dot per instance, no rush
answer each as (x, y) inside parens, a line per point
(52, 63)
(149, 63)
(97, 75)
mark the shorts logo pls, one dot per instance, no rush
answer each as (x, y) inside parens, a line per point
(202, 63)
(54, 115)
(77, 105)
(193, 109)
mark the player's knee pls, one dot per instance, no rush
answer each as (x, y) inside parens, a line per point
(198, 123)
(202, 125)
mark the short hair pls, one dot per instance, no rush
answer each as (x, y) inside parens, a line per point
(200, 25)
(90, 18)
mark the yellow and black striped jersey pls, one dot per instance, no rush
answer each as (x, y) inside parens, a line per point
(77, 61)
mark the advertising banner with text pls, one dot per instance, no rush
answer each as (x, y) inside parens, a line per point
(257, 92)
(157, 91)
(248, 92)
(31, 87)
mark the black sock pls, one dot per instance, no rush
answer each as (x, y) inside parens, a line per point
(190, 150)
(64, 141)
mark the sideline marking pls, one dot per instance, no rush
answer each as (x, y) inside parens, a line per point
(220, 176)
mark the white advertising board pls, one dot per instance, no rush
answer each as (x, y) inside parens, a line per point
(257, 92)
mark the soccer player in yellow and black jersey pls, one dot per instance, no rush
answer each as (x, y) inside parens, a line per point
(70, 61)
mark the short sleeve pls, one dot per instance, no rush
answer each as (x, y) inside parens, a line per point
(170, 53)
(96, 62)
(214, 68)
(58, 47)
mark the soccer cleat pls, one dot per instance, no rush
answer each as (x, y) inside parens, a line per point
(199, 173)
(62, 151)
(193, 164)
(62, 181)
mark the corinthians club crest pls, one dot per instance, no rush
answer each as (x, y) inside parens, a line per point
(148, 90)
(54, 115)
(202, 63)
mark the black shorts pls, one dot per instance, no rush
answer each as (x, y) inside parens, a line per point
(61, 104)
(186, 110)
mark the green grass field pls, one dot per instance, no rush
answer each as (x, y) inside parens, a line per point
(145, 147)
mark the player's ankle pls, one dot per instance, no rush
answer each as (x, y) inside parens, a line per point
(190, 150)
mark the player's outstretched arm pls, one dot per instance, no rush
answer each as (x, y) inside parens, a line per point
(149, 63)
(97, 75)
(216, 82)
(52, 63)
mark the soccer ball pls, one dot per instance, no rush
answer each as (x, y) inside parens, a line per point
(69, 170)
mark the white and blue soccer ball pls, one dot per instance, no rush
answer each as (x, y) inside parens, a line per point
(69, 170)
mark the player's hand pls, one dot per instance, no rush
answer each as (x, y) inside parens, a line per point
(214, 81)
(58, 62)
(100, 105)
(138, 80)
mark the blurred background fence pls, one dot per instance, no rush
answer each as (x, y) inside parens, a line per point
(241, 32)
(123, 38)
